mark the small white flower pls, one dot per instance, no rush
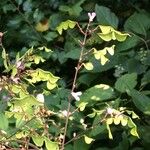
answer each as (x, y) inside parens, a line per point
(64, 112)
(110, 111)
(74, 134)
(91, 16)
(76, 95)
(40, 98)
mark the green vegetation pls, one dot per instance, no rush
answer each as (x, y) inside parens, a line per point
(74, 74)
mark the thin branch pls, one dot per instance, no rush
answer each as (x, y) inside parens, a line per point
(23, 142)
(74, 81)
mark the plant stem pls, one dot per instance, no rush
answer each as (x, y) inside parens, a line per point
(74, 83)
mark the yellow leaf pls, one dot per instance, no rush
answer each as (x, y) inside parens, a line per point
(109, 121)
(42, 26)
(110, 50)
(103, 60)
(88, 140)
(105, 29)
(88, 66)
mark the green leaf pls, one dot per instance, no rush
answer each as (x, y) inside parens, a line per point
(65, 25)
(88, 66)
(88, 140)
(109, 121)
(133, 131)
(100, 54)
(141, 101)
(130, 42)
(82, 105)
(109, 132)
(74, 10)
(124, 121)
(38, 140)
(99, 93)
(136, 24)
(117, 120)
(131, 124)
(98, 130)
(51, 145)
(20, 119)
(146, 78)
(105, 16)
(51, 86)
(3, 122)
(109, 33)
(126, 82)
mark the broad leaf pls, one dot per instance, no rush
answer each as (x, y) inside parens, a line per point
(109, 33)
(105, 16)
(38, 140)
(65, 25)
(88, 140)
(138, 23)
(3, 122)
(126, 82)
(141, 101)
(88, 66)
(51, 145)
(99, 93)
(74, 10)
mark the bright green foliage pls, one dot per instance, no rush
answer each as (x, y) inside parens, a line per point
(4, 122)
(65, 25)
(118, 117)
(38, 140)
(41, 75)
(97, 93)
(74, 10)
(88, 66)
(51, 145)
(87, 139)
(101, 54)
(109, 33)
(38, 67)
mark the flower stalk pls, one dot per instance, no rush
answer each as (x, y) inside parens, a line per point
(77, 69)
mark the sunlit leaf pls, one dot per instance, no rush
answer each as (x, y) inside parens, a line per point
(109, 33)
(88, 66)
(3, 122)
(51, 86)
(109, 121)
(117, 120)
(106, 37)
(51, 145)
(42, 26)
(109, 131)
(124, 121)
(94, 94)
(133, 131)
(82, 106)
(38, 140)
(65, 25)
(88, 140)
